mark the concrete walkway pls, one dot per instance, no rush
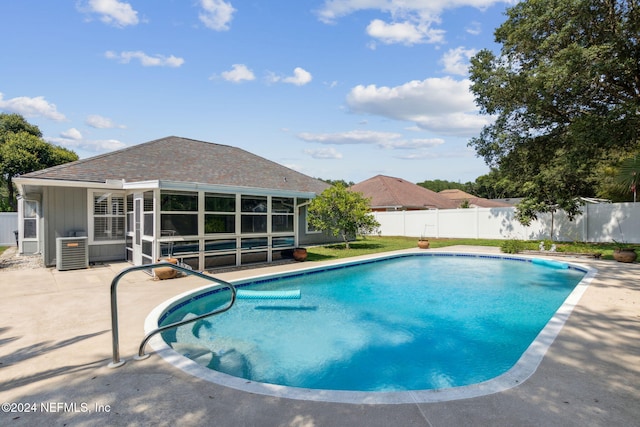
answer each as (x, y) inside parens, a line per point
(55, 343)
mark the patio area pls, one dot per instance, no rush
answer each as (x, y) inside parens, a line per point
(55, 344)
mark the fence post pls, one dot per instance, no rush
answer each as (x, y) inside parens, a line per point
(585, 224)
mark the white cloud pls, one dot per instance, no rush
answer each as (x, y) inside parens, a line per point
(388, 140)
(324, 153)
(422, 155)
(216, 14)
(32, 107)
(300, 77)
(411, 21)
(94, 146)
(238, 73)
(403, 32)
(414, 143)
(112, 12)
(100, 122)
(475, 28)
(462, 124)
(350, 137)
(145, 60)
(334, 9)
(72, 133)
(105, 145)
(456, 61)
(438, 104)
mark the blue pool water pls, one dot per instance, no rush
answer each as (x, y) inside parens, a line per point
(405, 323)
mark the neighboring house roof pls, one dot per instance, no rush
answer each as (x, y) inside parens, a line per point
(183, 160)
(455, 194)
(459, 196)
(395, 193)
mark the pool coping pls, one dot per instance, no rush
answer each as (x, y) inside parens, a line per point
(524, 368)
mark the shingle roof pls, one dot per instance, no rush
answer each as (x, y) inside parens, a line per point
(387, 192)
(460, 196)
(184, 160)
(455, 194)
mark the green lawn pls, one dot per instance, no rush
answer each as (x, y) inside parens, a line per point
(371, 245)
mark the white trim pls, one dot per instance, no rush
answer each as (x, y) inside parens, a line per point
(21, 219)
(161, 184)
(217, 188)
(91, 217)
(109, 184)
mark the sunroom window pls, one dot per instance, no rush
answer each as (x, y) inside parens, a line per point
(108, 216)
(179, 213)
(254, 214)
(219, 214)
(281, 214)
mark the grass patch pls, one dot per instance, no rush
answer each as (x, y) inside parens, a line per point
(374, 244)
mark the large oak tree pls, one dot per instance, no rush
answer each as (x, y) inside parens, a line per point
(565, 94)
(23, 150)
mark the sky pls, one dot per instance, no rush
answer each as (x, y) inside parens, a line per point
(335, 89)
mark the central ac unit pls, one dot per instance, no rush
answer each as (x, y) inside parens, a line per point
(72, 253)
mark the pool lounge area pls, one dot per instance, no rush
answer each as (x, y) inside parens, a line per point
(55, 343)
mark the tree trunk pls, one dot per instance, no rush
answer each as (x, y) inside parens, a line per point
(10, 196)
(346, 240)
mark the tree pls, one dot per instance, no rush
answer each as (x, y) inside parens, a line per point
(628, 176)
(337, 181)
(494, 185)
(342, 212)
(15, 123)
(619, 179)
(22, 150)
(438, 185)
(565, 95)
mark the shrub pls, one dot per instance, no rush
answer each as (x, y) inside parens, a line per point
(511, 246)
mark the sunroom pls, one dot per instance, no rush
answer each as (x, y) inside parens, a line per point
(204, 229)
(208, 205)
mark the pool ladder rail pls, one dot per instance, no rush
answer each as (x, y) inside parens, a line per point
(116, 362)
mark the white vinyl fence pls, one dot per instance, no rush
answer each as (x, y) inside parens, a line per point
(604, 222)
(8, 224)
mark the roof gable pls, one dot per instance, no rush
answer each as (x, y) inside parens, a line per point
(183, 160)
(459, 197)
(456, 194)
(386, 192)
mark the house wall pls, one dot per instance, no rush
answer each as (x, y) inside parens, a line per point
(311, 238)
(64, 213)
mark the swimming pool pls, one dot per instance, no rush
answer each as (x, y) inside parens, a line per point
(420, 326)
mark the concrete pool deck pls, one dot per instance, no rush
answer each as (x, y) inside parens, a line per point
(55, 344)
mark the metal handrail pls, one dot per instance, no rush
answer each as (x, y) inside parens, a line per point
(116, 362)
